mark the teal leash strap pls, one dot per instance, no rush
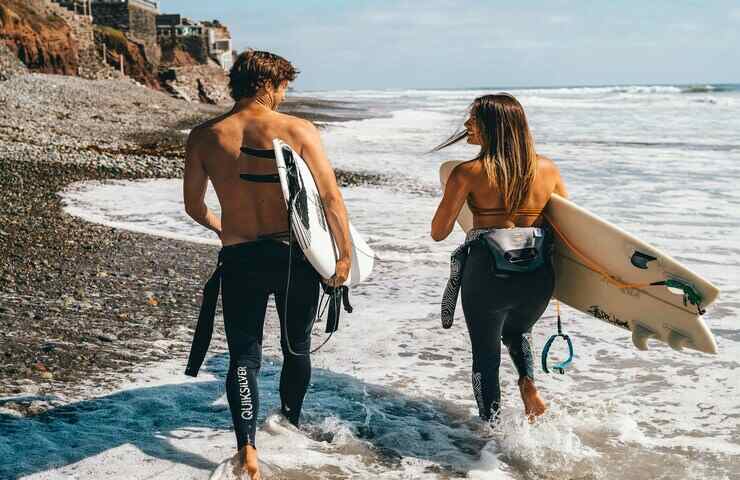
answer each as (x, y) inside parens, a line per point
(560, 366)
(690, 294)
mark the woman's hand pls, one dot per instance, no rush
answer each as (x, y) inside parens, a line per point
(341, 273)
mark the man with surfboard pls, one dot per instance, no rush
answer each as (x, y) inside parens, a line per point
(504, 268)
(235, 152)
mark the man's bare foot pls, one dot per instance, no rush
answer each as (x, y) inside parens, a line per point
(250, 464)
(534, 406)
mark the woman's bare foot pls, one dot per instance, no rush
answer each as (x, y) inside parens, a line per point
(250, 464)
(534, 406)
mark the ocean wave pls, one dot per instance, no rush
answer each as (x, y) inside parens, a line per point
(709, 88)
(451, 94)
(660, 145)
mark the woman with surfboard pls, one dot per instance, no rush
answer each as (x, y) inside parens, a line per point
(504, 269)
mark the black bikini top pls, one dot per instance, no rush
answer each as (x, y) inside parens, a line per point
(261, 153)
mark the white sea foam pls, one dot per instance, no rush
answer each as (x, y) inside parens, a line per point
(391, 397)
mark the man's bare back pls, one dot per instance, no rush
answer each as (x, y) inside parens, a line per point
(250, 210)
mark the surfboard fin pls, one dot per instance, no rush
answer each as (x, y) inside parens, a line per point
(678, 340)
(640, 336)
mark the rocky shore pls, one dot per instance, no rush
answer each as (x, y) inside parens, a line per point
(82, 305)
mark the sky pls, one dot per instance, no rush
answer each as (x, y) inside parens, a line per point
(379, 44)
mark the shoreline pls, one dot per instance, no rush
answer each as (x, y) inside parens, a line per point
(81, 304)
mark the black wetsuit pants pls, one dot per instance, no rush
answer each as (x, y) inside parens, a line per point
(251, 272)
(500, 307)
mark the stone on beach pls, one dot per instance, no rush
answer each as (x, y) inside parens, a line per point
(81, 299)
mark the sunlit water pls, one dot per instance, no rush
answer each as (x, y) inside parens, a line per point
(392, 396)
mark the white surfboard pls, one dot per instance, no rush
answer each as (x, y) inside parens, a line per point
(308, 221)
(648, 312)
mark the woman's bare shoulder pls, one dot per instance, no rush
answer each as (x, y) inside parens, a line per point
(467, 168)
(545, 162)
(547, 166)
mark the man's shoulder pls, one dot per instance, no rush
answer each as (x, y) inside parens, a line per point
(201, 132)
(296, 125)
(204, 137)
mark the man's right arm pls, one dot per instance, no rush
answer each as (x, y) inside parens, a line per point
(336, 212)
(195, 182)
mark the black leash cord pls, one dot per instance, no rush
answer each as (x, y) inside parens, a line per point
(319, 309)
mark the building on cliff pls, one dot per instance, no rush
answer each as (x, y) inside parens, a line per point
(177, 26)
(219, 44)
(79, 7)
(202, 40)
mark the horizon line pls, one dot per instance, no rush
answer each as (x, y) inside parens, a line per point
(534, 87)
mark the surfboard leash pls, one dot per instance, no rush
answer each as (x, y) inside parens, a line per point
(336, 296)
(560, 366)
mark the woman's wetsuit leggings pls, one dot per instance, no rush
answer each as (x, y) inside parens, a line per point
(500, 307)
(251, 272)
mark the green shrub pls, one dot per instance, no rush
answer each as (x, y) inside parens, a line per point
(53, 18)
(113, 38)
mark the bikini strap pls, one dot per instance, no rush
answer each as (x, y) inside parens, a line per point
(259, 152)
(269, 178)
(502, 211)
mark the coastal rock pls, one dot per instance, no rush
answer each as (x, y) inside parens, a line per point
(43, 41)
(208, 83)
(37, 407)
(105, 336)
(10, 66)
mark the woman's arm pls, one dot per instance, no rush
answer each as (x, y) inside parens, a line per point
(456, 191)
(560, 184)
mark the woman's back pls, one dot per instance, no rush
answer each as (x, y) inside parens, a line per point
(487, 204)
(507, 184)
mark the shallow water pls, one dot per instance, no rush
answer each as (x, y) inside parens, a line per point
(391, 396)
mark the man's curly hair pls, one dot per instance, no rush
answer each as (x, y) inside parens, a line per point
(253, 69)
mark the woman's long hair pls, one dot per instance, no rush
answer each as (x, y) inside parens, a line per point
(507, 149)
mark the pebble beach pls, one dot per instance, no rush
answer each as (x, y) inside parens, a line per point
(97, 318)
(82, 304)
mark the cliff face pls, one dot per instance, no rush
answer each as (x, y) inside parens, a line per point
(188, 73)
(41, 39)
(47, 38)
(45, 41)
(183, 52)
(136, 63)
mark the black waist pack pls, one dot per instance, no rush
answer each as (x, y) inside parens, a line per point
(523, 249)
